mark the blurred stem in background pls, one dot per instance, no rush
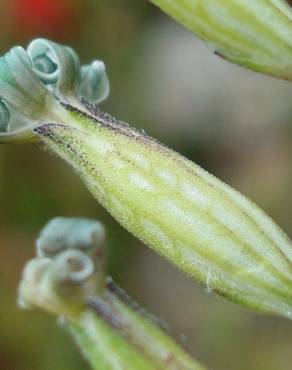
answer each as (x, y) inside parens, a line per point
(67, 279)
(256, 34)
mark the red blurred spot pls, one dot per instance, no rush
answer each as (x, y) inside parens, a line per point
(43, 16)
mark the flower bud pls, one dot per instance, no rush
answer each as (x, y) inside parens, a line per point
(256, 34)
(109, 329)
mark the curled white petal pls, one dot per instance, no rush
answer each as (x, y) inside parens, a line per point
(94, 85)
(73, 266)
(4, 117)
(62, 285)
(70, 233)
(29, 293)
(54, 63)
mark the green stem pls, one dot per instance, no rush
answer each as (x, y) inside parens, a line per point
(113, 333)
(103, 347)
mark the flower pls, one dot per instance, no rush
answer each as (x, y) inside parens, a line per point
(208, 230)
(68, 270)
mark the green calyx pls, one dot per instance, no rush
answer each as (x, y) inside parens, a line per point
(256, 34)
(35, 80)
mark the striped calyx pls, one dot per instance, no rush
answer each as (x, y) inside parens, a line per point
(208, 230)
(256, 34)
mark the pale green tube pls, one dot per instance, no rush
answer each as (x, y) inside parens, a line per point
(208, 230)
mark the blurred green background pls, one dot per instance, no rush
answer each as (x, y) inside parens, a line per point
(235, 123)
